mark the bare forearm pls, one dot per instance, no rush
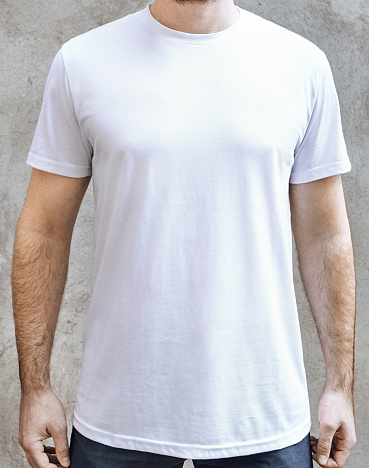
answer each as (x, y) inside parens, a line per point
(327, 270)
(40, 266)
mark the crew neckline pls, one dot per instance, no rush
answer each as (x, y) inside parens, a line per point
(174, 34)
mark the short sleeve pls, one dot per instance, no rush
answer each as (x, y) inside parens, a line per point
(322, 152)
(59, 145)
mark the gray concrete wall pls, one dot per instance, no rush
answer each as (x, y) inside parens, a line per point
(31, 32)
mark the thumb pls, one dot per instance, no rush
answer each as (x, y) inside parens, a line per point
(61, 446)
(327, 432)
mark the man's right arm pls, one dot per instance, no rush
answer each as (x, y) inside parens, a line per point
(40, 266)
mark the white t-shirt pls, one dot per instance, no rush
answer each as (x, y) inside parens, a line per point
(192, 344)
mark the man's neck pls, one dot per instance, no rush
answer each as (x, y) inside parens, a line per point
(203, 17)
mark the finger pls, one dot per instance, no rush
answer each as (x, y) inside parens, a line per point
(50, 452)
(327, 432)
(29, 459)
(341, 457)
(331, 463)
(49, 449)
(36, 456)
(53, 460)
(334, 461)
(61, 445)
(313, 444)
(38, 461)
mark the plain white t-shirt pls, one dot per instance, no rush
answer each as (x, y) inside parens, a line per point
(192, 345)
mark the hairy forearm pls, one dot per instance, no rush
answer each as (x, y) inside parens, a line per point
(40, 266)
(327, 271)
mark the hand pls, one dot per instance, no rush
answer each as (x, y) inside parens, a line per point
(337, 429)
(42, 415)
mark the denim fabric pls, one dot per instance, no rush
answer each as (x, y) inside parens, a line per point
(86, 453)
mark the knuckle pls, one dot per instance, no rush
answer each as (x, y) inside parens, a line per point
(62, 450)
(59, 431)
(328, 426)
(324, 446)
(59, 426)
(25, 443)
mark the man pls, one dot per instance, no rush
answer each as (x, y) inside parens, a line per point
(208, 131)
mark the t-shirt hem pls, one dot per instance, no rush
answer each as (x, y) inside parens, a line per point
(188, 451)
(56, 167)
(320, 172)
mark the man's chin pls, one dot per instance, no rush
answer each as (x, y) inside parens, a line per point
(181, 2)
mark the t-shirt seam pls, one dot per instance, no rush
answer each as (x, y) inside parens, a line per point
(326, 133)
(193, 446)
(194, 42)
(56, 163)
(316, 168)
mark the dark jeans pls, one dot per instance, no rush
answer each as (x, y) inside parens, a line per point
(86, 453)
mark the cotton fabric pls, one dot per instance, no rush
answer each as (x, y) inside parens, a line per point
(192, 345)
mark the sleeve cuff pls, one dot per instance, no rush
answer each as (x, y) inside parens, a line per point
(320, 172)
(57, 167)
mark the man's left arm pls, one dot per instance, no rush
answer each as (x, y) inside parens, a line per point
(323, 242)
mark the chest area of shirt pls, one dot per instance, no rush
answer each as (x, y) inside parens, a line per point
(171, 107)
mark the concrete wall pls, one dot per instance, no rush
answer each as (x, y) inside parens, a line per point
(31, 32)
